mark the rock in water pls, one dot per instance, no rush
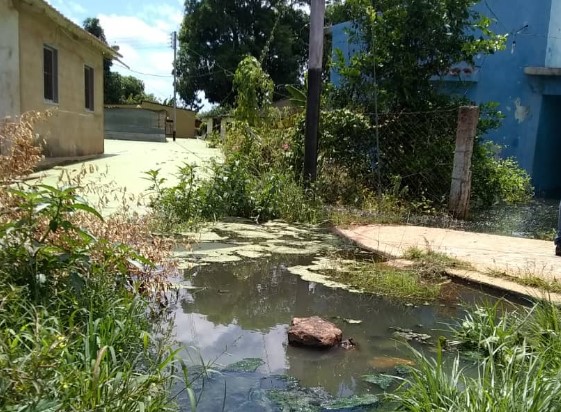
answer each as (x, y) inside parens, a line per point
(314, 332)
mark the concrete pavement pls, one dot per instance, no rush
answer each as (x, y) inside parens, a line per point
(120, 170)
(489, 255)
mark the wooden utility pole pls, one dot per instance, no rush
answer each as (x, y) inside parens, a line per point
(460, 191)
(174, 43)
(317, 15)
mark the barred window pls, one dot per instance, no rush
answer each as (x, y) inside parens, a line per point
(89, 87)
(50, 74)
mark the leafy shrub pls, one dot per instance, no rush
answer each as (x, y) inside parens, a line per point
(233, 190)
(496, 180)
(416, 158)
(346, 155)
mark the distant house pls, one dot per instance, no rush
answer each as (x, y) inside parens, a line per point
(130, 122)
(127, 120)
(525, 79)
(47, 62)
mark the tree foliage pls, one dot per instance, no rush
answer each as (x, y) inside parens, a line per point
(92, 25)
(254, 90)
(404, 44)
(217, 34)
(121, 89)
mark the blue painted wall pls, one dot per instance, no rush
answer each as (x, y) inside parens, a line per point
(531, 131)
(342, 45)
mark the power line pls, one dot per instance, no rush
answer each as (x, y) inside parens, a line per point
(148, 74)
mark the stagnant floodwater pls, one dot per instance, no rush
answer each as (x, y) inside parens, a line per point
(242, 310)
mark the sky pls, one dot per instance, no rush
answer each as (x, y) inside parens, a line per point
(142, 29)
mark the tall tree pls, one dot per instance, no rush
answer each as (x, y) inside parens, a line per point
(92, 26)
(404, 44)
(217, 34)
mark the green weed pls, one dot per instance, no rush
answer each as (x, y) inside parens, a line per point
(74, 331)
(378, 278)
(519, 369)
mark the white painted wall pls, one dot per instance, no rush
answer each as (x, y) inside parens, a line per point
(9, 60)
(553, 55)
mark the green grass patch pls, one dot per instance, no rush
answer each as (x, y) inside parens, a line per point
(530, 280)
(380, 279)
(434, 261)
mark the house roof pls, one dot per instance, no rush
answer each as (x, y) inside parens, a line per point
(63, 21)
(141, 105)
(167, 106)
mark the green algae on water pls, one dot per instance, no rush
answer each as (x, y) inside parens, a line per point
(245, 365)
(380, 379)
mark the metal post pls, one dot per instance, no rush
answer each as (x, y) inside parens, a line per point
(317, 14)
(174, 40)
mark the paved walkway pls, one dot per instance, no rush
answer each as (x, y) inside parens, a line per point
(123, 165)
(488, 254)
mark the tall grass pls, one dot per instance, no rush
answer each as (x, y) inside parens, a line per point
(74, 330)
(519, 370)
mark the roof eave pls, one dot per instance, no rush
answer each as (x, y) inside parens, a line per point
(107, 51)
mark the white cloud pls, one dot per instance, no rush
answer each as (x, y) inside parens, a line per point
(71, 9)
(142, 29)
(145, 48)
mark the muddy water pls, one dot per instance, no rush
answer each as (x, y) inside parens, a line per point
(241, 309)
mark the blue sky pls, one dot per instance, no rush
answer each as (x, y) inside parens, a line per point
(142, 30)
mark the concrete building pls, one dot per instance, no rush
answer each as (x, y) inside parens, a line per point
(525, 79)
(186, 119)
(135, 123)
(47, 62)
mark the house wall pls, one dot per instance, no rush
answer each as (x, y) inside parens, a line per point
(553, 57)
(534, 40)
(342, 47)
(502, 78)
(9, 60)
(72, 130)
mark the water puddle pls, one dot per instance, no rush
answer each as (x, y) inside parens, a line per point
(239, 311)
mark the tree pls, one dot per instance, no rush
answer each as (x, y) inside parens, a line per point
(121, 89)
(92, 26)
(404, 44)
(217, 34)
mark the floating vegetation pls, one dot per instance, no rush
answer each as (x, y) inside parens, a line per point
(352, 403)
(382, 380)
(245, 365)
(408, 335)
(295, 398)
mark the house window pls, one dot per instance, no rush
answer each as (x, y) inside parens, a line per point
(50, 74)
(89, 87)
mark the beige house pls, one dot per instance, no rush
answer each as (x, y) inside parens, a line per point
(47, 62)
